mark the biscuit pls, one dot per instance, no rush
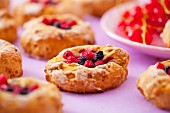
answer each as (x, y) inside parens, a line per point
(28, 95)
(8, 27)
(46, 36)
(29, 10)
(88, 69)
(154, 84)
(11, 60)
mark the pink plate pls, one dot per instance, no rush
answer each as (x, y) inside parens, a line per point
(109, 24)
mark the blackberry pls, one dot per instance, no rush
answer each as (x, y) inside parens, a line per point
(9, 88)
(24, 91)
(167, 69)
(57, 24)
(99, 55)
(82, 60)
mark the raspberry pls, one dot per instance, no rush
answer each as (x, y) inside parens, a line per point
(3, 79)
(33, 87)
(17, 89)
(89, 54)
(72, 59)
(72, 23)
(67, 54)
(160, 66)
(89, 63)
(46, 21)
(99, 62)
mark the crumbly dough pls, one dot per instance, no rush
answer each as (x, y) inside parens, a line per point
(8, 27)
(45, 99)
(4, 4)
(166, 34)
(80, 79)
(11, 60)
(44, 42)
(26, 11)
(154, 84)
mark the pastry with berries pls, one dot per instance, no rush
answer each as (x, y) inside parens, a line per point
(88, 69)
(35, 8)
(145, 23)
(4, 4)
(8, 27)
(166, 34)
(28, 95)
(11, 60)
(154, 84)
(97, 7)
(46, 36)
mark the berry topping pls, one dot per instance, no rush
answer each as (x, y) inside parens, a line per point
(99, 55)
(167, 69)
(88, 58)
(3, 79)
(45, 2)
(160, 66)
(89, 63)
(63, 24)
(99, 62)
(15, 89)
(67, 54)
(144, 23)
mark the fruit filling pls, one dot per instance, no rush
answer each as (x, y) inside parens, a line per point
(87, 58)
(63, 24)
(45, 2)
(15, 89)
(165, 68)
(144, 23)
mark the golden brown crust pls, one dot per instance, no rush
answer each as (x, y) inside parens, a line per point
(4, 4)
(8, 27)
(44, 41)
(154, 84)
(97, 7)
(166, 34)
(11, 60)
(26, 11)
(80, 79)
(45, 99)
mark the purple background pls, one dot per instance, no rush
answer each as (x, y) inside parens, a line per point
(124, 99)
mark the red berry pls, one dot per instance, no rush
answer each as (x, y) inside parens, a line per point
(72, 23)
(99, 62)
(67, 54)
(46, 21)
(89, 54)
(136, 35)
(126, 14)
(3, 79)
(169, 72)
(89, 63)
(160, 66)
(148, 38)
(3, 86)
(72, 59)
(17, 89)
(33, 87)
(33, 1)
(122, 25)
(167, 3)
(53, 20)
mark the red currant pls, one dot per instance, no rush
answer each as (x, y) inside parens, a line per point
(136, 35)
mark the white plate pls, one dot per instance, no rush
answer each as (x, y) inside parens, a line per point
(109, 24)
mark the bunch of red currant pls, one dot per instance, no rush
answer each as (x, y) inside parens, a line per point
(142, 23)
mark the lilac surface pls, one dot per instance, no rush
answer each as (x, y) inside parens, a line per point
(125, 99)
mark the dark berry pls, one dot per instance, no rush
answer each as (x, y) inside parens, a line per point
(99, 55)
(99, 62)
(89, 63)
(3, 79)
(24, 91)
(9, 88)
(57, 24)
(67, 54)
(167, 69)
(160, 66)
(82, 60)
(67, 28)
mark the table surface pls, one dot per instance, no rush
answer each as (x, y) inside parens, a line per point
(124, 99)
